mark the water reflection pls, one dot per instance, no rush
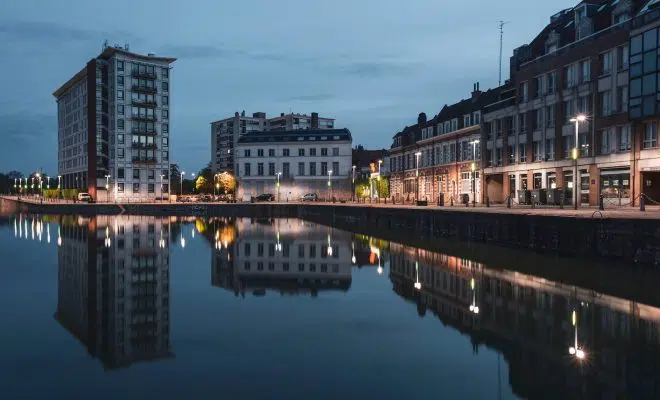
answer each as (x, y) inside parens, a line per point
(553, 340)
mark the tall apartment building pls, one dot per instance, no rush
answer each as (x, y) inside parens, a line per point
(113, 287)
(226, 132)
(578, 64)
(114, 126)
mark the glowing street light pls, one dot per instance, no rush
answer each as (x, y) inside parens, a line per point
(474, 144)
(474, 307)
(353, 256)
(418, 284)
(278, 185)
(577, 119)
(417, 155)
(575, 350)
(329, 185)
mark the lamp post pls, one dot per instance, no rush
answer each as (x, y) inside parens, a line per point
(107, 188)
(577, 119)
(15, 185)
(329, 185)
(417, 155)
(575, 350)
(474, 171)
(48, 183)
(161, 187)
(59, 182)
(278, 186)
(181, 183)
(353, 183)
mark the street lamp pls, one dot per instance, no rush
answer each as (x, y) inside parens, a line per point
(161, 186)
(329, 185)
(474, 144)
(353, 183)
(278, 185)
(48, 183)
(107, 188)
(181, 184)
(577, 119)
(59, 182)
(417, 155)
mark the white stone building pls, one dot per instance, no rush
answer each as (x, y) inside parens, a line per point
(114, 127)
(303, 161)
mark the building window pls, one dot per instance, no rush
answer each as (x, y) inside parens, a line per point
(120, 65)
(312, 169)
(285, 169)
(324, 151)
(246, 153)
(551, 82)
(301, 152)
(120, 187)
(120, 95)
(476, 117)
(538, 87)
(120, 173)
(166, 86)
(454, 124)
(271, 152)
(120, 109)
(260, 152)
(466, 120)
(301, 169)
(136, 174)
(120, 153)
(120, 138)
(538, 155)
(324, 168)
(650, 136)
(624, 138)
(312, 152)
(622, 57)
(165, 100)
(271, 169)
(522, 153)
(136, 188)
(166, 128)
(524, 92)
(585, 71)
(165, 114)
(260, 169)
(165, 72)
(151, 174)
(622, 98)
(335, 168)
(150, 188)
(608, 141)
(605, 60)
(550, 149)
(165, 141)
(165, 155)
(120, 80)
(120, 124)
(285, 152)
(165, 174)
(247, 169)
(606, 103)
(335, 151)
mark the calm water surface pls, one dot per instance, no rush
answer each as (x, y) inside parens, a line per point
(143, 307)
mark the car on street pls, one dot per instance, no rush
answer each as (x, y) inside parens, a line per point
(265, 197)
(310, 197)
(84, 197)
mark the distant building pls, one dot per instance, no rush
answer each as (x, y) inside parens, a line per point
(307, 161)
(113, 126)
(367, 162)
(225, 132)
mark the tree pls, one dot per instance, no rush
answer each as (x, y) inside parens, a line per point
(207, 172)
(227, 182)
(383, 188)
(202, 184)
(175, 178)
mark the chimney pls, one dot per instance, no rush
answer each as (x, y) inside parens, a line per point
(475, 92)
(281, 114)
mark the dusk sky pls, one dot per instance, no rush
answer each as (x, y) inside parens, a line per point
(371, 64)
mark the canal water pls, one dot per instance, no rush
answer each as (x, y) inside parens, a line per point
(132, 307)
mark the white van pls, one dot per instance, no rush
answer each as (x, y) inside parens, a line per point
(84, 197)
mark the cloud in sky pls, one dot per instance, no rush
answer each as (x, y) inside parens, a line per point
(373, 65)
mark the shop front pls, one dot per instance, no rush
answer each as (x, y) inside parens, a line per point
(615, 186)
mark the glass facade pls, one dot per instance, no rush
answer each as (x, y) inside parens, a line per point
(644, 68)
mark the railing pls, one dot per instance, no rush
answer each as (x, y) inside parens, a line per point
(137, 88)
(151, 146)
(144, 117)
(139, 103)
(645, 18)
(138, 131)
(149, 75)
(144, 160)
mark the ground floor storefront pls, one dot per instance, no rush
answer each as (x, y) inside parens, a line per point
(452, 184)
(294, 189)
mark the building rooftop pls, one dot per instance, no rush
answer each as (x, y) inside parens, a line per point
(301, 135)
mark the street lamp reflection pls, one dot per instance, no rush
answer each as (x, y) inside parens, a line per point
(418, 284)
(576, 350)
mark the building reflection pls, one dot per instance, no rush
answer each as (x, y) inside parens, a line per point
(288, 256)
(113, 287)
(559, 341)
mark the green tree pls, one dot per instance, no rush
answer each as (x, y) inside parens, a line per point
(383, 188)
(202, 184)
(175, 178)
(227, 182)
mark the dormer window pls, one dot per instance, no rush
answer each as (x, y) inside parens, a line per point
(580, 13)
(476, 118)
(454, 124)
(440, 129)
(466, 120)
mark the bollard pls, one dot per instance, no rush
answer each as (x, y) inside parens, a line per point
(487, 201)
(601, 205)
(642, 207)
(451, 201)
(508, 202)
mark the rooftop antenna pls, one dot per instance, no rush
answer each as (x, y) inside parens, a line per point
(105, 44)
(502, 23)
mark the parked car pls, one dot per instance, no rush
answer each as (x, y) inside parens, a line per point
(265, 197)
(310, 197)
(84, 197)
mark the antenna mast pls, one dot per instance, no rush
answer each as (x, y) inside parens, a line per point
(502, 23)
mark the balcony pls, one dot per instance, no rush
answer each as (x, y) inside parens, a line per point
(143, 89)
(149, 132)
(150, 104)
(146, 118)
(135, 73)
(146, 146)
(144, 160)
